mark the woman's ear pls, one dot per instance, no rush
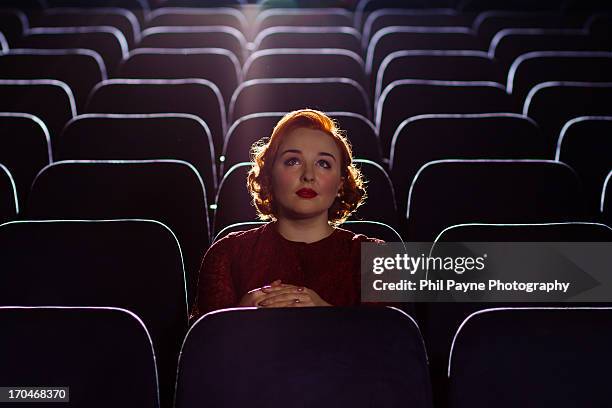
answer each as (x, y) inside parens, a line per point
(340, 187)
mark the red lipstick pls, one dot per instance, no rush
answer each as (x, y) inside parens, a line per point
(306, 193)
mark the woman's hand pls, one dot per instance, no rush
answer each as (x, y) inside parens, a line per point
(283, 295)
(253, 297)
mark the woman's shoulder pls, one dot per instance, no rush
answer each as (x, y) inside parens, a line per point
(345, 234)
(238, 238)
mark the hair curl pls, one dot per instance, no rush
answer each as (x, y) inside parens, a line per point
(263, 154)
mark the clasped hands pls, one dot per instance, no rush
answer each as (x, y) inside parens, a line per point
(279, 294)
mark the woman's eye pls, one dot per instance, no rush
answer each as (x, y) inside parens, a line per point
(292, 161)
(325, 164)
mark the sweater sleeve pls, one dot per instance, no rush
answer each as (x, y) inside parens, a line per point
(215, 284)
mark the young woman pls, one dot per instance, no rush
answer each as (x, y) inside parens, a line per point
(304, 181)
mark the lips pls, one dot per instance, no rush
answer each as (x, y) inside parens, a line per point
(306, 193)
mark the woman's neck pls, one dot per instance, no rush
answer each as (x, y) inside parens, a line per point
(304, 230)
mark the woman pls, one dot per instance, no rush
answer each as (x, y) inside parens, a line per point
(303, 180)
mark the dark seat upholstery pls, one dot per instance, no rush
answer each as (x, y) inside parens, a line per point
(585, 145)
(553, 104)
(168, 191)
(491, 191)
(351, 365)
(542, 357)
(198, 97)
(407, 98)
(217, 65)
(80, 69)
(287, 94)
(425, 138)
(50, 100)
(9, 206)
(56, 346)
(24, 149)
(140, 137)
(107, 41)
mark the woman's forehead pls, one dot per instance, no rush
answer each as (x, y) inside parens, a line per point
(309, 139)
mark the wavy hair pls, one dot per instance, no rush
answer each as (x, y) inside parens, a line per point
(263, 154)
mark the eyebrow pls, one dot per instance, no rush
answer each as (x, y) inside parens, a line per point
(299, 151)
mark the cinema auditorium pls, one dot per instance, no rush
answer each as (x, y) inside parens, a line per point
(126, 134)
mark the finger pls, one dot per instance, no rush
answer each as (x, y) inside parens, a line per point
(295, 297)
(271, 289)
(276, 283)
(272, 294)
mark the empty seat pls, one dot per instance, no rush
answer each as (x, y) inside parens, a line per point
(25, 149)
(426, 138)
(106, 41)
(585, 144)
(489, 23)
(509, 44)
(80, 69)
(533, 68)
(508, 5)
(140, 137)
(13, 23)
(372, 229)
(250, 128)
(287, 94)
(441, 320)
(438, 65)
(9, 206)
(190, 16)
(397, 38)
(227, 38)
(217, 65)
(545, 232)
(388, 17)
(133, 264)
(380, 202)
(233, 202)
(543, 356)
(315, 17)
(304, 63)
(406, 98)
(169, 191)
(345, 367)
(50, 100)
(491, 191)
(198, 97)
(606, 200)
(121, 18)
(54, 347)
(309, 37)
(552, 104)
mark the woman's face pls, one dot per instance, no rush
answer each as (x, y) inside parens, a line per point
(306, 174)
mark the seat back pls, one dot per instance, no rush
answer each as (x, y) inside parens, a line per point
(556, 347)
(55, 346)
(198, 97)
(142, 137)
(168, 191)
(101, 263)
(293, 358)
(491, 191)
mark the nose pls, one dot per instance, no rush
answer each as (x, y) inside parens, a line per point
(308, 174)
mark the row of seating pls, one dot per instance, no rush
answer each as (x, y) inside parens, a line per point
(411, 180)
(563, 354)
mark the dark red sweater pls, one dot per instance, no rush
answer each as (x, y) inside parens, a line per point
(247, 260)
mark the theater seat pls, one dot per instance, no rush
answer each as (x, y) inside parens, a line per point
(449, 192)
(132, 264)
(304, 357)
(82, 348)
(532, 357)
(9, 206)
